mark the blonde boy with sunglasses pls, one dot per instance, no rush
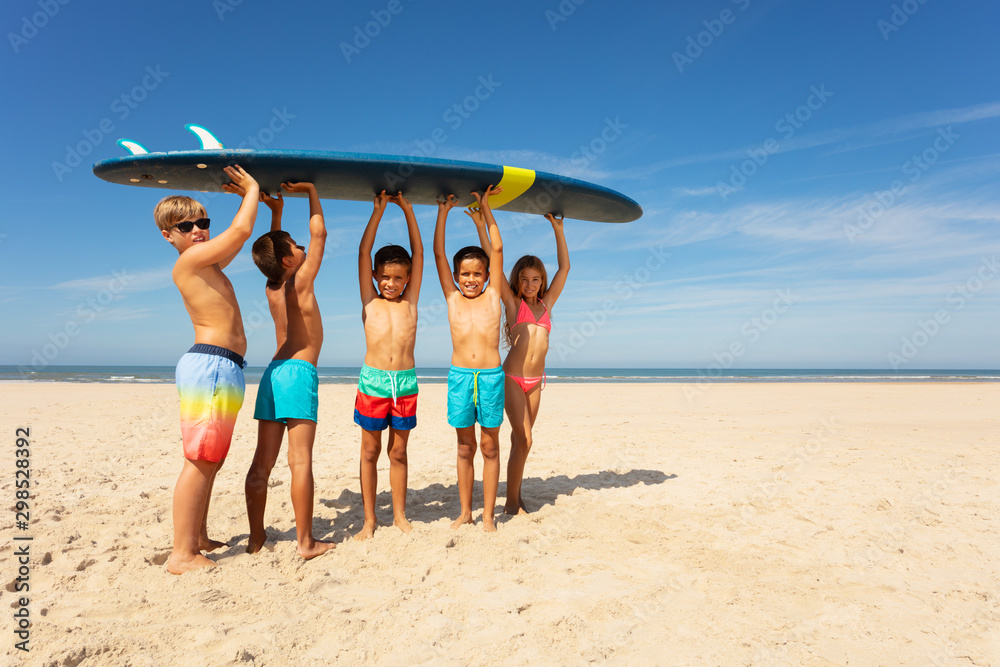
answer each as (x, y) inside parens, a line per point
(210, 376)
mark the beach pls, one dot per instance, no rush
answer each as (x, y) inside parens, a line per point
(674, 524)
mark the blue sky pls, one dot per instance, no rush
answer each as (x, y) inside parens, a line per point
(818, 179)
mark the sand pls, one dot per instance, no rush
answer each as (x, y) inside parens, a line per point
(735, 524)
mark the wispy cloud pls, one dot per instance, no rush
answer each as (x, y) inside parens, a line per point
(120, 280)
(880, 132)
(125, 314)
(950, 206)
(696, 192)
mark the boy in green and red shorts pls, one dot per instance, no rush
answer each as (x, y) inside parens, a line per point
(387, 385)
(386, 399)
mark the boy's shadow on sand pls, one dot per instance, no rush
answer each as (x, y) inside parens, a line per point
(435, 502)
(441, 501)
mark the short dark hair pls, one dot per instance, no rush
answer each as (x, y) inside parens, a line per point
(471, 252)
(268, 252)
(392, 254)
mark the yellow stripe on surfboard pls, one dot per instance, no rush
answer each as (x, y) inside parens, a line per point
(515, 182)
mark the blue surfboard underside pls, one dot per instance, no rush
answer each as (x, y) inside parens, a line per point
(359, 176)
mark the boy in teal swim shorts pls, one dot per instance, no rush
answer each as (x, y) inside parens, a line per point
(387, 385)
(210, 376)
(476, 380)
(288, 394)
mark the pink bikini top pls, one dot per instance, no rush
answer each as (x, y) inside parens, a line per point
(524, 314)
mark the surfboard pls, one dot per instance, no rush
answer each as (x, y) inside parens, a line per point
(359, 176)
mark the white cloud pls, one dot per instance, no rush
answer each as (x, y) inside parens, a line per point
(120, 280)
(880, 132)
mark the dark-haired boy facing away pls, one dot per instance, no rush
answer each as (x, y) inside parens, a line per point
(476, 379)
(387, 384)
(288, 392)
(210, 376)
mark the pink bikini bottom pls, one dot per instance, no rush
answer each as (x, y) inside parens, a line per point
(527, 384)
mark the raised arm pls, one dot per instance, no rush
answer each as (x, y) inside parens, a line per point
(368, 291)
(306, 274)
(276, 204)
(484, 240)
(273, 203)
(224, 247)
(440, 260)
(496, 242)
(562, 255)
(416, 249)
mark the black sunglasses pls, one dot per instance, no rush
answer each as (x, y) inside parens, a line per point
(188, 225)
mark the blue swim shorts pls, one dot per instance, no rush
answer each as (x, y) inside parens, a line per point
(288, 390)
(475, 394)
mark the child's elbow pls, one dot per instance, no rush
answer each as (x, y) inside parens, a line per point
(244, 232)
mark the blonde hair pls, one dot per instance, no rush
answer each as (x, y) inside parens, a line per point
(175, 208)
(522, 264)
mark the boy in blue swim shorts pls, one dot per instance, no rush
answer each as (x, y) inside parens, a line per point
(289, 389)
(476, 380)
(287, 398)
(387, 384)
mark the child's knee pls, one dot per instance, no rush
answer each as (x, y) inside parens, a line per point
(257, 479)
(490, 450)
(370, 452)
(297, 460)
(259, 469)
(466, 450)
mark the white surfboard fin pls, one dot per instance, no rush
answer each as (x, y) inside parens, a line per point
(207, 139)
(133, 147)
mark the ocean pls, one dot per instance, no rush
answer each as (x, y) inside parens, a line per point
(349, 375)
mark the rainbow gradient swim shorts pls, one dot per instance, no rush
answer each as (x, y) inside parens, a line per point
(211, 386)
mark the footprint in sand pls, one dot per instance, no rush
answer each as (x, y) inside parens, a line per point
(84, 564)
(159, 559)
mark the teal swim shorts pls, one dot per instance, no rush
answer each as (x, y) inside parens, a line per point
(289, 389)
(475, 394)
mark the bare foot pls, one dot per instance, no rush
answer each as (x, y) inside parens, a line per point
(401, 523)
(206, 544)
(488, 524)
(256, 543)
(462, 520)
(179, 564)
(367, 531)
(318, 548)
(514, 509)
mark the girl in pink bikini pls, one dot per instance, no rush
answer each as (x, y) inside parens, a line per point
(528, 299)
